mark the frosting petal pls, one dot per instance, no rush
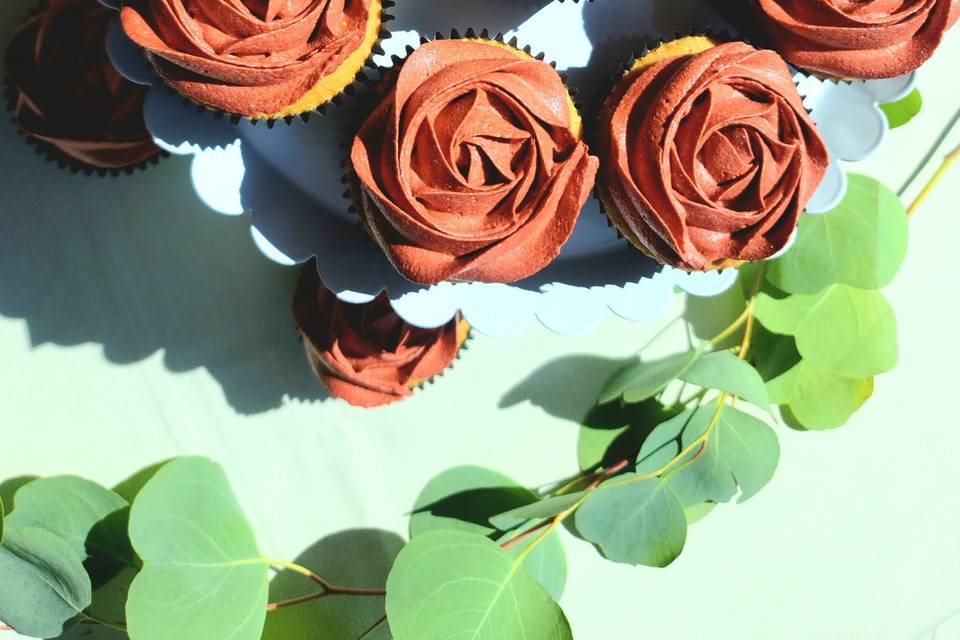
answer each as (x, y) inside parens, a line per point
(246, 56)
(856, 39)
(68, 94)
(709, 158)
(471, 168)
(366, 354)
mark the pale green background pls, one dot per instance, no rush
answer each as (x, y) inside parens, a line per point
(135, 325)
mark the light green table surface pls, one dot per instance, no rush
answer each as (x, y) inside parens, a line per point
(136, 325)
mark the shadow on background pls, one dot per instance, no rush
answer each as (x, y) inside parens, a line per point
(566, 387)
(360, 559)
(138, 264)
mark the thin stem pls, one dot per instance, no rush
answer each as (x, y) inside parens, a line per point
(119, 626)
(931, 185)
(930, 153)
(523, 536)
(328, 589)
(733, 328)
(366, 634)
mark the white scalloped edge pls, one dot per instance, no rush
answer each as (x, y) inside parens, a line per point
(288, 229)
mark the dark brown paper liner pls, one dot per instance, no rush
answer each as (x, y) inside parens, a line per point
(49, 151)
(349, 90)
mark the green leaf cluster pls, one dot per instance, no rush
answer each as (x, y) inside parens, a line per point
(828, 329)
(166, 554)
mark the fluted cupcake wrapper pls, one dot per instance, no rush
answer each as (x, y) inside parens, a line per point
(350, 90)
(49, 151)
(378, 87)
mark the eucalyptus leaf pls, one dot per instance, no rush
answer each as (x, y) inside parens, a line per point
(847, 332)
(203, 577)
(698, 512)
(902, 111)
(773, 354)
(609, 436)
(2, 518)
(465, 498)
(546, 508)
(44, 585)
(724, 371)
(741, 451)
(819, 400)
(862, 243)
(642, 380)
(452, 584)
(9, 488)
(546, 563)
(91, 518)
(635, 521)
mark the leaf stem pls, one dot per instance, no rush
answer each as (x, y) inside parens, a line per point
(328, 589)
(733, 328)
(934, 181)
(366, 634)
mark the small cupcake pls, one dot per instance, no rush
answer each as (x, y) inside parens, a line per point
(472, 168)
(365, 353)
(858, 40)
(259, 59)
(66, 96)
(707, 154)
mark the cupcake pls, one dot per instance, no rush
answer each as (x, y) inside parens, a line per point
(260, 59)
(472, 168)
(66, 96)
(365, 353)
(858, 40)
(707, 154)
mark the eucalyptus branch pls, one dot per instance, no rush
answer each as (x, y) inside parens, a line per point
(327, 589)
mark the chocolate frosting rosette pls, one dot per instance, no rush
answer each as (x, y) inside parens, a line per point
(261, 59)
(66, 95)
(365, 353)
(708, 156)
(855, 39)
(472, 168)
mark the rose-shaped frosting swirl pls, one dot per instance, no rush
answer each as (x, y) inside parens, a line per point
(708, 158)
(365, 353)
(247, 56)
(472, 168)
(857, 39)
(66, 92)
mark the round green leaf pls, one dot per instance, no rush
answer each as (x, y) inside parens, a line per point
(465, 498)
(902, 111)
(726, 372)
(819, 400)
(642, 380)
(698, 512)
(741, 451)
(203, 577)
(43, 584)
(862, 243)
(452, 584)
(847, 332)
(91, 518)
(546, 563)
(635, 521)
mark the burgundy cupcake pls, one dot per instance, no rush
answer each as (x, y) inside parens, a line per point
(66, 95)
(365, 353)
